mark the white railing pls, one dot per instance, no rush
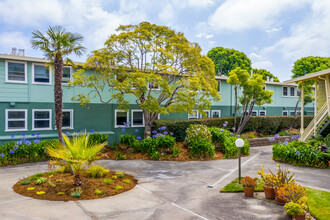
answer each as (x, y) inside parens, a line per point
(317, 120)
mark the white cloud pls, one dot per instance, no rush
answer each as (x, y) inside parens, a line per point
(8, 40)
(272, 30)
(310, 37)
(238, 15)
(167, 14)
(260, 61)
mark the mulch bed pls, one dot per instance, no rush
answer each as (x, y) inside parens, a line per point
(64, 184)
(183, 156)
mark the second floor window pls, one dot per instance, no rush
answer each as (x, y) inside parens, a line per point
(292, 91)
(41, 74)
(16, 72)
(67, 74)
(285, 91)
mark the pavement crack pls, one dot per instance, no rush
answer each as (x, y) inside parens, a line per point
(90, 214)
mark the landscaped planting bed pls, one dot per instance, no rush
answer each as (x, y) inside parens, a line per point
(60, 186)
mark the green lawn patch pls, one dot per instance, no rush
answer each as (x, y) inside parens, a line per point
(319, 203)
(235, 187)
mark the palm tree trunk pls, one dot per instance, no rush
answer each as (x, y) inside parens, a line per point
(77, 180)
(58, 96)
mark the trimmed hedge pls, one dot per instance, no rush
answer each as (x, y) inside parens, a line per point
(263, 124)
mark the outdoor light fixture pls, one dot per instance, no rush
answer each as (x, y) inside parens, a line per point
(239, 143)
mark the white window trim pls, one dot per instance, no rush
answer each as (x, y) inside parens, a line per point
(71, 119)
(287, 112)
(193, 117)
(262, 111)
(208, 111)
(25, 119)
(158, 117)
(14, 81)
(298, 112)
(286, 91)
(135, 126)
(71, 72)
(41, 83)
(50, 119)
(294, 92)
(157, 89)
(117, 110)
(219, 111)
(251, 113)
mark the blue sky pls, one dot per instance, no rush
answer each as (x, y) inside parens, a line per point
(273, 33)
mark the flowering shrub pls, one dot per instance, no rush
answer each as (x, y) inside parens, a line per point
(294, 209)
(225, 142)
(291, 192)
(249, 182)
(266, 179)
(300, 154)
(281, 177)
(196, 133)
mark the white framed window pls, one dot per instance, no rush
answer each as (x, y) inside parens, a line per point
(67, 75)
(292, 91)
(153, 87)
(216, 113)
(41, 119)
(67, 119)
(158, 117)
(285, 91)
(207, 114)
(16, 120)
(292, 112)
(41, 74)
(254, 113)
(262, 112)
(285, 112)
(137, 118)
(219, 86)
(193, 115)
(16, 71)
(121, 117)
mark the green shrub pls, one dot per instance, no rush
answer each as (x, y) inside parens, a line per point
(107, 181)
(119, 187)
(300, 154)
(327, 141)
(127, 139)
(120, 156)
(225, 142)
(26, 182)
(41, 180)
(98, 192)
(97, 171)
(176, 151)
(96, 138)
(126, 181)
(179, 126)
(201, 148)
(165, 142)
(120, 174)
(155, 155)
(65, 168)
(196, 133)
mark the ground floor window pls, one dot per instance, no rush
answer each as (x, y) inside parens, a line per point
(16, 119)
(262, 112)
(285, 112)
(207, 114)
(137, 118)
(41, 119)
(121, 117)
(193, 115)
(67, 120)
(254, 113)
(216, 113)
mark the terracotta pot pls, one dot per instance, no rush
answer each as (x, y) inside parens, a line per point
(287, 214)
(248, 191)
(269, 192)
(299, 217)
(279, 200)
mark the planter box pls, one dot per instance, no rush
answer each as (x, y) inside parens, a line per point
(255, 142)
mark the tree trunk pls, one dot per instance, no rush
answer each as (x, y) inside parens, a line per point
(245, 119)
(235, 117)
(58, 96)
(149, 118)
(295, 109)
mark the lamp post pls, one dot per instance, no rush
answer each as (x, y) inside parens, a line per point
(239, 143)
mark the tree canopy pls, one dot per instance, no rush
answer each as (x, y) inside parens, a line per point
(155, 65)
(309, 64)
(266, 75)
(226, 59)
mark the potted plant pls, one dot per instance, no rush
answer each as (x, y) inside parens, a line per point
(291, 192)
(296, 210)
(248, 185)
(268, 183)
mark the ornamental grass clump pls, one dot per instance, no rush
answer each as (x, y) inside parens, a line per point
(281, 177)
(77, 153)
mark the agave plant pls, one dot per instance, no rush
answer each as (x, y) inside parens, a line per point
(77, 153)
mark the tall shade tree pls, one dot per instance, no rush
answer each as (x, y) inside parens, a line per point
(307, 65)
(254, 93)
(153, 65)
(237, 77)
(266, 75)
(226, 59)
(56, 45)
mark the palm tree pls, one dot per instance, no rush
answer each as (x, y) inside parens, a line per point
(57, 44)
(77, 153)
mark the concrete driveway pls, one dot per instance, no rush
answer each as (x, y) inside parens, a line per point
(166, 190)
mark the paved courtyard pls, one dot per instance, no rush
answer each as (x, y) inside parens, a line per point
(166, 190)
